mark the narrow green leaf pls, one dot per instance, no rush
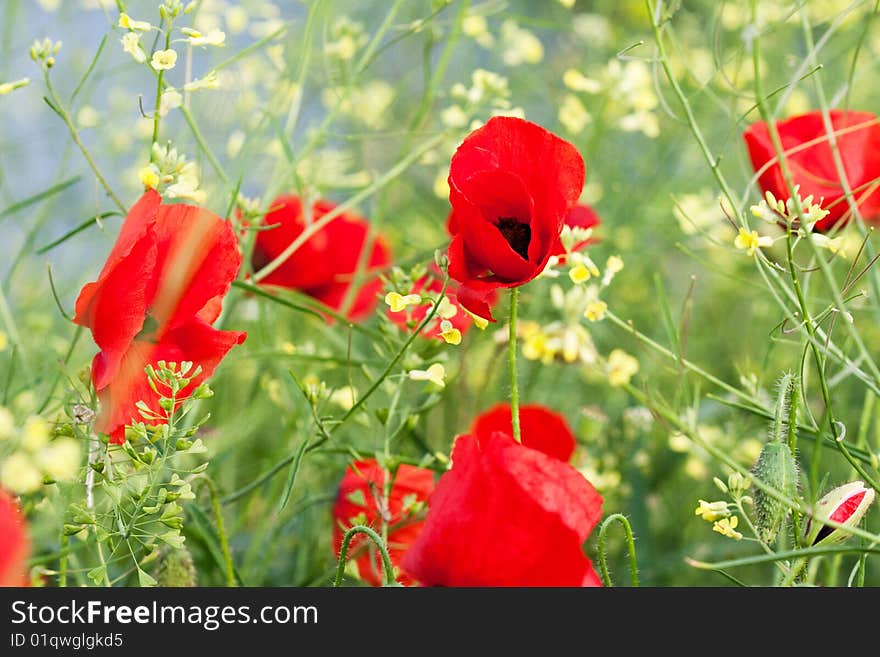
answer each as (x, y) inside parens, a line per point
(36, 198)
(78, 229)
(88, 70)
(291, 477)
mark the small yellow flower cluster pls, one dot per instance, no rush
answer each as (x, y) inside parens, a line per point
(520, 46)
(367, 104)
(35, 458)
(621, 367)
(43, 52)
(630, 88)
(772, 210)
(558, 341)
(347, 37)
(170, 169)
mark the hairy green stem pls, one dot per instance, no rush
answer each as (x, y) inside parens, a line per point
(231, 580)
(387, 568)
(630, 544)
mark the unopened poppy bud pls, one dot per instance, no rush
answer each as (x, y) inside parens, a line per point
(846, 505)
(175, 568)
(776, 468)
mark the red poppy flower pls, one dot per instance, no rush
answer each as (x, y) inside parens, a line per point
(540, 428)
(14, 544)
(325, 265)
(360, 502)
(156, 297)
(812, 167)
(511, 185)
(506, 515)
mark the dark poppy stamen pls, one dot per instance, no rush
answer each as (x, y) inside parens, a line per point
(517, 234)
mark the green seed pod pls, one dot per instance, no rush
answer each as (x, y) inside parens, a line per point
(776, 467)
(175, 568)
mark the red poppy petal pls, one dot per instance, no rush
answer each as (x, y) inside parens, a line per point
(813, 167)
(505, 515)
(199, 259)
(14, 543)
(540, 428)
(551, 168)
(115, 306)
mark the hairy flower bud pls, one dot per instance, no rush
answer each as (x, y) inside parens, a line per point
(776, 467)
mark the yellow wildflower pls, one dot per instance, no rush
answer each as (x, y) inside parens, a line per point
(436, 374)
(449, 333)
(751, 241)
(621, 367)
(164, 60)
(398, 302)
(595, 311)
(712, 511)
(727, 527)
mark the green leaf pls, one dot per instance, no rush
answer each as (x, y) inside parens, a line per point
(145, 580)
(291, 477)
(98, 574)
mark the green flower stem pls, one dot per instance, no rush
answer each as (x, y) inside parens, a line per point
(58, 107)
(759, 559)
(387, 568)
(287, 460)
(159, 89)
(630, 544)
(511, 363)
(689, 114)
(221, 532)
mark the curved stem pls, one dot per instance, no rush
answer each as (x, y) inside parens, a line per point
(387, 568)
(511, 362)
(630, 544)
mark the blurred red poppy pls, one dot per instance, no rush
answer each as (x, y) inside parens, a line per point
(511, 184)
(361, 501)
(155, 299)
(812, 166)
(540, 428)
(325, 264)
(14, 543)
(506, 515)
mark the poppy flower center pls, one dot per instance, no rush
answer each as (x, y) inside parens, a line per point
(516, 234)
